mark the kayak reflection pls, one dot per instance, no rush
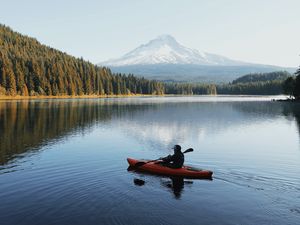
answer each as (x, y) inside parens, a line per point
(174, 184)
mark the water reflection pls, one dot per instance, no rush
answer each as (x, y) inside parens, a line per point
(174, 184)
(267, 110)
(30, 125)
(173, 123)
(252, 148)
(292, 110)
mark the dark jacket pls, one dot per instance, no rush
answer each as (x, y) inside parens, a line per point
(174, 161)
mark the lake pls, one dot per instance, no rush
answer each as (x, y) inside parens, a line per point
(63, 161)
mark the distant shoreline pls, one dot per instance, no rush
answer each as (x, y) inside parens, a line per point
(288, 100)
(19, 97)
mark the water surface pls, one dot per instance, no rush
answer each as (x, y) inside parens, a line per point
(64, 161)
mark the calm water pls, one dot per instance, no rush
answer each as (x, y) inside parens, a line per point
(64, 161)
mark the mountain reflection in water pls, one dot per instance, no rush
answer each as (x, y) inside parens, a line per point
(29, 125)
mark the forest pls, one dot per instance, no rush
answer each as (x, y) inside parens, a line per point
(28, 68)
(250, 84)
(291, 86)
(256, 84)
(262, 77)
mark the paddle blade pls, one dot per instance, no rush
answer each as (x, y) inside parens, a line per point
(188, 150)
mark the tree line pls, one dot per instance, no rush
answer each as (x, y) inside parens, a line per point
(29, 68)
(252, 88)
(190, 88)
(291, 85)
(262, 77)
(250, 84)
(256, 84)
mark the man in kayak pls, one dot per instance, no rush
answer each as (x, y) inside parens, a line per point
(176, 160)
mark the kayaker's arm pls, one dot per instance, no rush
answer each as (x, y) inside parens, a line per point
(167, 159)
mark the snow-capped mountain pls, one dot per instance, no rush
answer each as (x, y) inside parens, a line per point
(165, 59)
(166, 50)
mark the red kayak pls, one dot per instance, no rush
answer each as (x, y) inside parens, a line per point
(185, 171)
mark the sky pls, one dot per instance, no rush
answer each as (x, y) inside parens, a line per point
(257, 31)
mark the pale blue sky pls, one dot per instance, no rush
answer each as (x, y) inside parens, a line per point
(261, 31)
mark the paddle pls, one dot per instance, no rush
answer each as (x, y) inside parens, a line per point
(138, 164)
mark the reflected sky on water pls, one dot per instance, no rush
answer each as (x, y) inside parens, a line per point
(65, 160)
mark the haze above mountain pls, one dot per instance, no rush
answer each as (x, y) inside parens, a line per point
(164, 58)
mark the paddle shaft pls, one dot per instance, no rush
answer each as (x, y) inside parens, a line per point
(143, 163)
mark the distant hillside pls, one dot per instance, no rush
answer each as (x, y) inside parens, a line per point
(251, 84)
(258, 77)
(256, 84)
(195, 73)
(29, 68)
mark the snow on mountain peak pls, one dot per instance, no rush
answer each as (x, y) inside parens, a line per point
(166, 50)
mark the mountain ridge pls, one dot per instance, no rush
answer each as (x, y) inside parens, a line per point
(166, 50)
(165, 59)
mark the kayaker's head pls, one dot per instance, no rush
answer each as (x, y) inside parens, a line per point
(177, 148)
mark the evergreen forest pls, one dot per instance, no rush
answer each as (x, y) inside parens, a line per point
(28, 68)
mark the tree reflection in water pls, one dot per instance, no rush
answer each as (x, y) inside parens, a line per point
(28, 126)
